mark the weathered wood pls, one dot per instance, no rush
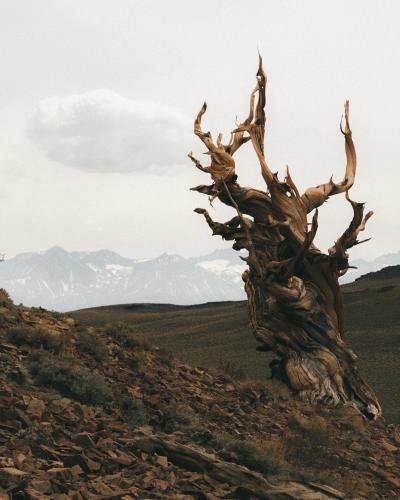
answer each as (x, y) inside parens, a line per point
(248, 483)
(294, 299)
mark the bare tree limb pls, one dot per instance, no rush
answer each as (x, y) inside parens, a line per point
(316, 196)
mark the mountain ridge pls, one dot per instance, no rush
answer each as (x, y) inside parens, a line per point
(61, 280)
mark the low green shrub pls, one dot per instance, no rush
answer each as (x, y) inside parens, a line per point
(92, 344)
(69, 378)
(132, 410)
(127, 335)
(176, 417)
(35, 337)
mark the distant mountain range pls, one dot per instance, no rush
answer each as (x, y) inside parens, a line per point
(364, 266)
(61, 280)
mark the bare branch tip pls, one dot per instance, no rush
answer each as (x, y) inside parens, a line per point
(369, 215)
(202, 110)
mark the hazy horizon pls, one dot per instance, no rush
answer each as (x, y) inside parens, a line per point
(155, 256)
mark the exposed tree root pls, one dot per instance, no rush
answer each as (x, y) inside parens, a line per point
(249, 484)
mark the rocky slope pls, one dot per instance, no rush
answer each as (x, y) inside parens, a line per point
(99, 413)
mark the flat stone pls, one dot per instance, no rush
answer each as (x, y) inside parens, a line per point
(36, 408)
(41, 485)
(355, 446)
(77, 470)
(161, 460)
(161, 484)
(33, 494)
(60, 473)
(91, 464)
(20, 458)
(84, 439)
(391, 448)
(10, 476)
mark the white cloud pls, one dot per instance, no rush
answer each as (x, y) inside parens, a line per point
(101, 131)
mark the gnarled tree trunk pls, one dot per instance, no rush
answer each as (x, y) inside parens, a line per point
(294, 299)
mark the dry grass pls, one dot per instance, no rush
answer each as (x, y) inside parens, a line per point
(264, 390)
(127, 336)
(67, 376)
(132, 410)
(267, 457)
(36, 337)
(92, 343)
(309, 442)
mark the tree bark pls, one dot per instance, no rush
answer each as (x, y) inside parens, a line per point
(294, 300)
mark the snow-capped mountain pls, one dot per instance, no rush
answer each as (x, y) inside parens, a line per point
(364, 266)
(61, 280)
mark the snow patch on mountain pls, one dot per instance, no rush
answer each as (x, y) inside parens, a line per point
(61, 280)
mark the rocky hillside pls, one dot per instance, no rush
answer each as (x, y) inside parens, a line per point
(99, 413)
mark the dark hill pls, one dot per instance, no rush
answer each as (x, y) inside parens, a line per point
(387, 273)
(217, 334)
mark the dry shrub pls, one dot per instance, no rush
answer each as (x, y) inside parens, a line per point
(165, 357)
(127, 336)
(349, 418)
(35, 337)
(353, 487)
(93, 344)
(67, 376)
(132, 410)
(309, 441)
(177, 417)
(263, 390)
(266, 457)
(5, 299)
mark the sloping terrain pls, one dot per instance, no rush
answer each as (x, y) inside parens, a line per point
(217, 334)
(99, 413)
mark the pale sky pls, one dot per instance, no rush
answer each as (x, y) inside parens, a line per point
(98, 97)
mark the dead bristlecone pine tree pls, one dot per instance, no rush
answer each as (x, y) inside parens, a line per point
(294, 300)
